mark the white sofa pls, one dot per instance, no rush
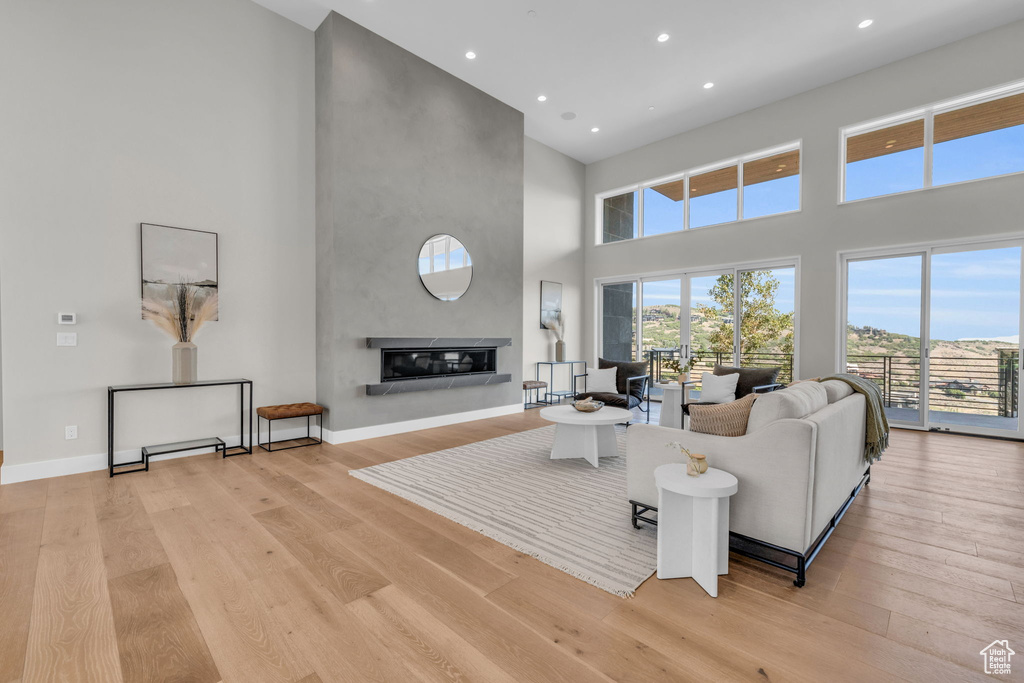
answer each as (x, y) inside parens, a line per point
(799, 466)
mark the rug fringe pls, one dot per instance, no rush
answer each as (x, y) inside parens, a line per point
(367, 477)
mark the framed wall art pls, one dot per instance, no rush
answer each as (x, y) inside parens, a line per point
(172, 257)
(550, 302)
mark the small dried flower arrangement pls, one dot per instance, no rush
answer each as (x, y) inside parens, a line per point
(697, 464)
(183, 315)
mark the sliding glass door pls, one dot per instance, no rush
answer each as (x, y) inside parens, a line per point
(618, 321)
(660, 322)
(695, 315)
(709, 323)
(884, 330)
(767, 309)
(974, 338)
(939, 331)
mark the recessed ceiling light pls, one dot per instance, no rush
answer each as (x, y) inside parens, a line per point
(651, 108)
(709, 85)
(569, 115)
(865, 23)
(531, 13)
(663, 37)
(470, 55)
(594, 129)
(542, 98)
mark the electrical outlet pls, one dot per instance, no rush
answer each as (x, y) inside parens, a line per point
(67, 339)
(71, 432)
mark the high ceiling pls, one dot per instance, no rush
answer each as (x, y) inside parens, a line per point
(601, 58)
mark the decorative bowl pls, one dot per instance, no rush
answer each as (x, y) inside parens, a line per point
(587, 406)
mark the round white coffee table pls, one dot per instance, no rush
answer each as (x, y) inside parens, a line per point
(693, 524)
(585, 435)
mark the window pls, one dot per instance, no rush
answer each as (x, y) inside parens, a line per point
(743, 315)
(771, 185)
(621, 217)
(713, 197)
(663, 208)
(951, 142)
(980, 141)
(885, 161)
(759, 184)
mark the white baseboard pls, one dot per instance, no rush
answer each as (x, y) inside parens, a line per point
(12, 473)
(372, 432)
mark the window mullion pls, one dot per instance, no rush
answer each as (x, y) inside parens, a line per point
(929, 137)
(640, 211)
(739, 190)
(686, 202)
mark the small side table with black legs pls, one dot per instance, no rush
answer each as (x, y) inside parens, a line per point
(142, 464)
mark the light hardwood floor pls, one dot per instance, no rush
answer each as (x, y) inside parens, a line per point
(281, 567)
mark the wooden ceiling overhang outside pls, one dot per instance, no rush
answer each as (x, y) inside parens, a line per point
(756, 171)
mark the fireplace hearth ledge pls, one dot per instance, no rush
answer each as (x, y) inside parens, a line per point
(431, 383)
(436, 342)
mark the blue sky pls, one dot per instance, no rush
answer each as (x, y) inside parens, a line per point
(974, 294)
(662, 215)
(976, 156)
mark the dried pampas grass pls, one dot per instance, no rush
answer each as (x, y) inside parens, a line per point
(184, 315)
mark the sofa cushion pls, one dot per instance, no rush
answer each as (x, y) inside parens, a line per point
(726, 419)
(792, 402)
(749, 377)
(625, 370)
(836, 389)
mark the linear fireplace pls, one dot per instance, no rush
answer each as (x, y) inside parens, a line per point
(401, 364)
(423, 363)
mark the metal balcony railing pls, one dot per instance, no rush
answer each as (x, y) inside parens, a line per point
(983, 385)
(663, 363)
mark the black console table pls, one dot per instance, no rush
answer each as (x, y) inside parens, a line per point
(214, 442)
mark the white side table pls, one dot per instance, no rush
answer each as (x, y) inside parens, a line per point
(585, 435)
(672, 401)
(693, 524)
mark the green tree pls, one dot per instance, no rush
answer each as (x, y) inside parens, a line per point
(763, 327)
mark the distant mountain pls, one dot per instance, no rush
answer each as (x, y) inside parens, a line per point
(201, 283)
(1014, 339)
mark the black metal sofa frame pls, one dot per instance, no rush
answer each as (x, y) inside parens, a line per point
(768, 552)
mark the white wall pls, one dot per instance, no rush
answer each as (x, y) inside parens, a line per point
(552, 250)
(823, 227)
(192, 113)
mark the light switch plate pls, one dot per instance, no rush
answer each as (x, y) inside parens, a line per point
(67, 339)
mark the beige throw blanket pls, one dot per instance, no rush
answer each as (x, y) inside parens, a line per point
(876, 437)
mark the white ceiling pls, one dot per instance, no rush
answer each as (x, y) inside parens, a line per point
(601, 59)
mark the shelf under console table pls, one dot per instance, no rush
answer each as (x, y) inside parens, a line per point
(142, 465)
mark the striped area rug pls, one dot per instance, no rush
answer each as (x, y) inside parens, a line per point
(565, 513)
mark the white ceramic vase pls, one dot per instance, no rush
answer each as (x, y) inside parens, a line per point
(184, 363)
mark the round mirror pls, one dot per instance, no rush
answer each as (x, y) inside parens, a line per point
(445, 267)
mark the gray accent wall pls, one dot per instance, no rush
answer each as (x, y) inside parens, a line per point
(406, 151)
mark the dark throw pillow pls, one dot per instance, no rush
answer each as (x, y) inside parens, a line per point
(749, 377)
(623, 371)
